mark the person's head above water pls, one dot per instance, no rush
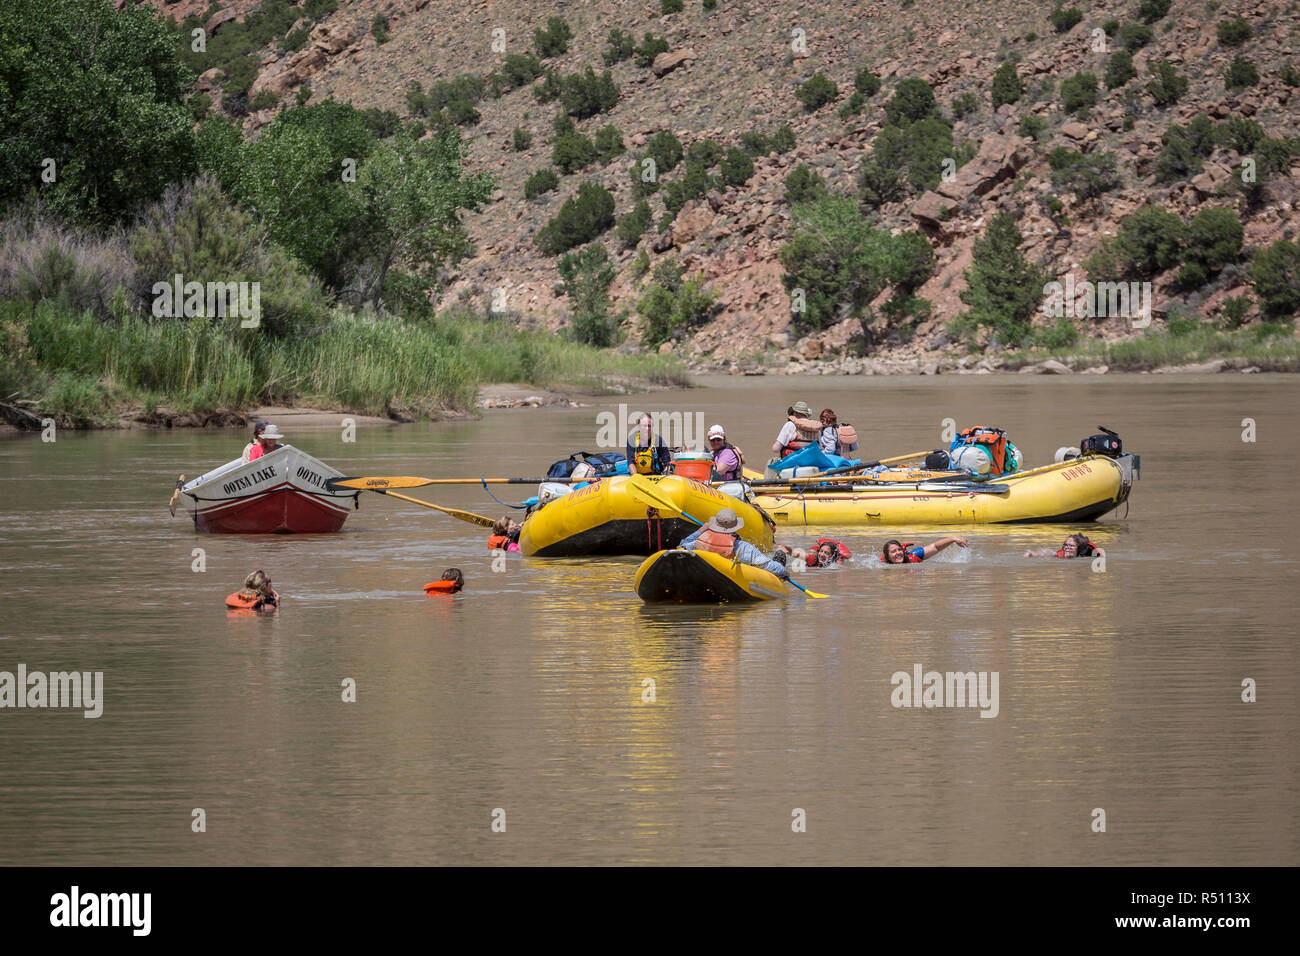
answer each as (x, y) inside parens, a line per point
(258, 582)
(894, 552)
(827, 553)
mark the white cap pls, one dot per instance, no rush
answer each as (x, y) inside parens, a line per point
(715, 431)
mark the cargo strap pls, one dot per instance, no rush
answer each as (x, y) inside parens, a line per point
(499, 501)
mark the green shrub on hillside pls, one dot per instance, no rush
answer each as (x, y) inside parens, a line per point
(912, 100)
(379, 27)
(666, 151)
(1007, 87)
(1150, 241)
(705, 153)
(1064, 18)
(1032, 125)
(631, 226)
(866, 82)
(736, 167)
(804, 184)
(755, 143)
(1241, 74)
(585, 278)
(671, 6)
(965, 104)
(1233, 32)
(582, 218)
(1276, 275)
(554, 40)
(1087, 175)
(1134, 36)
(1119, 69)
(621, 47)
(1168, 85)
(518, 70)
(1004, 289)
(1079, 92)
(571, 152)
(852, 106)
(587, 93)
(783, 139)
(542, 181)
(1149, 11)
(1239, 133)
(521, 140)
(651, 46)
(693, 183)
(550, 87)
(672, 305)
(816, 92)
(609, 143)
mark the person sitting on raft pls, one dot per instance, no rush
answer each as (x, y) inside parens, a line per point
(828, 436)
(450, 582)
(257, 593)
(721, 536)
(254, 448)
(799, 431)
(727, 458)
(268, 440)
(825, 553)
(647, 453)
(505, 535)
(896, 553)
(1075, 546)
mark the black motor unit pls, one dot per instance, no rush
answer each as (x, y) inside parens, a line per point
(1108, 444)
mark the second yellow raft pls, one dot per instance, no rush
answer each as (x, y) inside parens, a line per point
(606, 518)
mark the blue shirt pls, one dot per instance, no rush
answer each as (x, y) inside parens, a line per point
(744, 552)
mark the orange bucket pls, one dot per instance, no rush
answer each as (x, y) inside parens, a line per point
(697, 465)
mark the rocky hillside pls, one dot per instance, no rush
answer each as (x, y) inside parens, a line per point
(737, 68)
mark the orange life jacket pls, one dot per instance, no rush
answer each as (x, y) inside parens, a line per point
(442, 587)
(993, 440)
(249, 599)
(717, 542)
(498, 541)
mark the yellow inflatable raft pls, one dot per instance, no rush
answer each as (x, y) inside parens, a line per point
(1079, 489)
(701, 577)
(606, 518)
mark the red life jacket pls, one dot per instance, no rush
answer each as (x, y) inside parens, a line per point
(843, 551)
(717, 542)
(442, 587)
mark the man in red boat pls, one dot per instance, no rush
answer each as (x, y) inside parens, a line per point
(267, 439)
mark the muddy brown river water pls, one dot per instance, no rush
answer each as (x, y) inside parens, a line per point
(524, 697)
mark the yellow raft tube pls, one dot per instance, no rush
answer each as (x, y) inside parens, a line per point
(701, 577)
(1079, 489)
(606, 518)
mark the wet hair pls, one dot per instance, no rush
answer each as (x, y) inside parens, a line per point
(453, 574)
(501, 526)
(258, 581)
(1086, 548)
(828, 417)
(885, 550)
(835, 551)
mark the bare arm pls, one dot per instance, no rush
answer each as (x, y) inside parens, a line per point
(932, 549)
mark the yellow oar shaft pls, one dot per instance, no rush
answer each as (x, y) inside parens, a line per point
(481, 520)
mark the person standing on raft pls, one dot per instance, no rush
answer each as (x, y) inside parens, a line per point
(721, 536)
(896, 553)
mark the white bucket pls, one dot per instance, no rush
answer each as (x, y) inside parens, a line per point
(550, 490)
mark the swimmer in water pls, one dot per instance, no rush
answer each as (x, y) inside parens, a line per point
(896, 553)
(1075, 546)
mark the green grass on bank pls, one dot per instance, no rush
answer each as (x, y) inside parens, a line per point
(85, 371)
(1272, 347)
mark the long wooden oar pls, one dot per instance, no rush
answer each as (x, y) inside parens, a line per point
(759, 480)
(644, 490)
(382, 482)
(171, 505)
(480, 520)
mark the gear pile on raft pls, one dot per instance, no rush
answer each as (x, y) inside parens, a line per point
(706, 522)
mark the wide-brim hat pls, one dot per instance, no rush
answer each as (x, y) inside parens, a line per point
(801, 408)
(270, 431)
(726, 521)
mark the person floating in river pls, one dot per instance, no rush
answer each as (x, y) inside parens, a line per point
(1075, 546)
(451, 581)
(505, 535)
(799, 431)
(647, 452)
(825, 553)
(727, 458)
(897, 553)
(256, 595)
(721, 536)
